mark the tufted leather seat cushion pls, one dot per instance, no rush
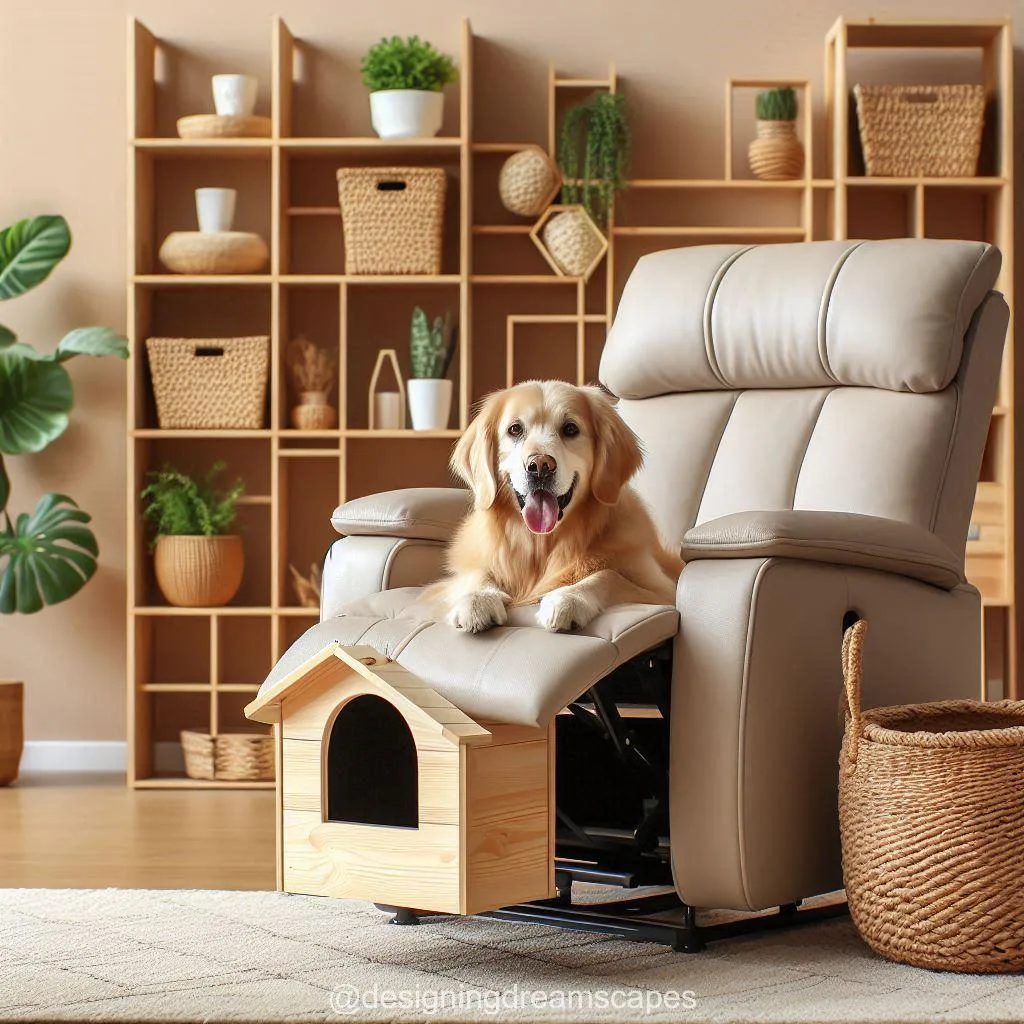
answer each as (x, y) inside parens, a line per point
(518, 673)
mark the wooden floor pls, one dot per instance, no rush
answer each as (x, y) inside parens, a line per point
(91, 831)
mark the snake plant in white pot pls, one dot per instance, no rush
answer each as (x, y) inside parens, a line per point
(49, 554)
(431, 348)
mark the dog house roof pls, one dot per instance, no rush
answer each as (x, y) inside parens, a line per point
(407, 692)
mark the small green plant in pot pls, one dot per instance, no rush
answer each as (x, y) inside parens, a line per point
(197, 560)
(776, 154)
(49, 554)
(405, 78)
(431, 348)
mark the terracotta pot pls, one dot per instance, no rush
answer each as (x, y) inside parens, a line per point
(199, 572)
(12, 736)
(776, 154)
(314, 412)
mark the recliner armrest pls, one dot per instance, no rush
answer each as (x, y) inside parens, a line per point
(414, 513)
(840, 538)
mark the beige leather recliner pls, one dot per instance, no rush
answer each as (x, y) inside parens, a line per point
(814, 417)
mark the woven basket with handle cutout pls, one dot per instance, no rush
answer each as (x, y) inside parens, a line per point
(392, 218)
(931, 812)
(920, 130)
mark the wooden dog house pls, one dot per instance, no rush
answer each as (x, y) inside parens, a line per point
(388, 792)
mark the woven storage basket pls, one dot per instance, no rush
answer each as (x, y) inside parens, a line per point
(209, 383)
(928, 130)
(392, 219)
(931, 811)
(229, 756)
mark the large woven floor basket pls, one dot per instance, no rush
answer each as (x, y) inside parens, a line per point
(392, 218)
(926, 130)
(209, 383)
(931, 810)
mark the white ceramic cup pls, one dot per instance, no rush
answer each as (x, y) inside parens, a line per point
(215, 208)
(387, 411)
(234, 95)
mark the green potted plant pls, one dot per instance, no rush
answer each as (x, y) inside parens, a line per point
(776, 154)
(405, 78)
(431, 348)
(48, 555)
(593, 151)
(197, 561)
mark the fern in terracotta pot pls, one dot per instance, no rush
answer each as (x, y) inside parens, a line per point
(197, 561)
(49, 554)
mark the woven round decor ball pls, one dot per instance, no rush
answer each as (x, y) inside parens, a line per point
(572, 241)
(527, 182)
(214, 252)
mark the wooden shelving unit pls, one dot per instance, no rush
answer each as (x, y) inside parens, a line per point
(517, 318)
(977, 208)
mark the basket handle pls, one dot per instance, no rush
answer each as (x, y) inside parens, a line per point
(208, 350)
(853, 646)
(921, 97)
(391, 185)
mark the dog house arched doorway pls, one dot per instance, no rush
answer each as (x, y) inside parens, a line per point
(372, 775)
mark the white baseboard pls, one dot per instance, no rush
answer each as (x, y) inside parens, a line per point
(75, 756)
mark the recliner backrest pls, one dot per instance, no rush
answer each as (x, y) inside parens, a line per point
(839, 376)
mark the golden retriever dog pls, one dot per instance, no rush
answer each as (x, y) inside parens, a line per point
(554, 519)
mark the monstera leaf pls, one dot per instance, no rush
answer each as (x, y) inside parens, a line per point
(46, 557)
(35, 399)
(29, 250)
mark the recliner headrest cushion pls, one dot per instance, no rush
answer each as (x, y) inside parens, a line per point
(887, 314)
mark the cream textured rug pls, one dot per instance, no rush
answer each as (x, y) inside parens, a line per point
(148, 955)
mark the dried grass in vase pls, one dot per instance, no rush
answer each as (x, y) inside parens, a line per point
(312, 370)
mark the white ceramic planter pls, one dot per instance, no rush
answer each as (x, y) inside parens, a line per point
(430, 403)
(406, 113)
(234, 95)
(215, 208)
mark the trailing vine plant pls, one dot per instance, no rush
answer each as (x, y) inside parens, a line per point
(593, 152)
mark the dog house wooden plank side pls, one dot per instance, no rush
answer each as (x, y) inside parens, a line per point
(301, 781)
(403, 867)
(509, 821)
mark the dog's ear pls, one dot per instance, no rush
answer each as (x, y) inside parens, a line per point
(475, 458)
(617, 451)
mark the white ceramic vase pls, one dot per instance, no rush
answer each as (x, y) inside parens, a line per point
(406, 113)
(234, 95)
(430, 403)
(215, 208)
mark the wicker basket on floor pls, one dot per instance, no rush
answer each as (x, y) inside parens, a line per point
(392, 218)
(209, 383)
(931, 811)
(228, 756)
(927, 130)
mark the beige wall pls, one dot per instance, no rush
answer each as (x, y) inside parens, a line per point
(62, 122)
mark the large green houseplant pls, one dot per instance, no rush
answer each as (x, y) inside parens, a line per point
(47, 555)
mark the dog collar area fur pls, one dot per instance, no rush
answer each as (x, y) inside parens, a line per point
(562, 499)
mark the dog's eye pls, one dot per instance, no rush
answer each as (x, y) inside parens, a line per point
(515, 430)
(570, 429)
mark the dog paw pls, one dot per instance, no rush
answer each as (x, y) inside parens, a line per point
(561, 611)
(479, 611)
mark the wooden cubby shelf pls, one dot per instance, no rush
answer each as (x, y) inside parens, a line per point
(517, 318)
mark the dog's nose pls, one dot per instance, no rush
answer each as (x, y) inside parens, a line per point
(539, 465)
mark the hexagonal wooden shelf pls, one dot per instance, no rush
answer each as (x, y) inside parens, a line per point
(536, 236)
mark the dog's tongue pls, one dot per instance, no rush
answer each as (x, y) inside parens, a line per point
(541, 511)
